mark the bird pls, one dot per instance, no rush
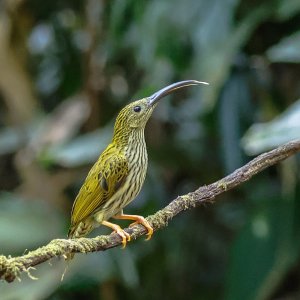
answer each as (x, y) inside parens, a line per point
(118, 175)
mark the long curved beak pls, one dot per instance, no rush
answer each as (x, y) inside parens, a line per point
(171, 88)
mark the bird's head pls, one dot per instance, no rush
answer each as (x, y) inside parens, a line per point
(136, 114)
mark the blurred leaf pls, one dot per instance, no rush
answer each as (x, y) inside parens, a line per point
(264, 251)
(287, 9)
(265, 136)
(287, 50)
(62, 124)
(81, 151)
(234, 108)
(10, 140)
(25, 224)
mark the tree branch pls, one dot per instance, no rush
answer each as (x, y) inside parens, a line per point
(12, 267)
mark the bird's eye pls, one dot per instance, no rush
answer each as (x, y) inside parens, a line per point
(137, 108)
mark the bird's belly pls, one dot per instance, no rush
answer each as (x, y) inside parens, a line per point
(126, 193)
(129, 190)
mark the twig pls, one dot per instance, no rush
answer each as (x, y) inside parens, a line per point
(12, 267)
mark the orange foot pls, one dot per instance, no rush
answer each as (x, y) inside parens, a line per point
(138, 220)
(123, 234)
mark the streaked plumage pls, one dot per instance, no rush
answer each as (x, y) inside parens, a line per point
(115, 179)
(118, 175)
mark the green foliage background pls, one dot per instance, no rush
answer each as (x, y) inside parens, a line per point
(66, 69)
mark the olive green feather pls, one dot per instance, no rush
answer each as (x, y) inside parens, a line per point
(102, 182)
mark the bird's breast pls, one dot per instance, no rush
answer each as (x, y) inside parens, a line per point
(136, 154)
(137, 161)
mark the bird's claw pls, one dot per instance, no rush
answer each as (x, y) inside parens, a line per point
(145, 223)
(117, 229)
(124, 235)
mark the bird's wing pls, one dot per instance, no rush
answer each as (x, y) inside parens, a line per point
(104, 179)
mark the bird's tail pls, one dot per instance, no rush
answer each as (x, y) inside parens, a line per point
(69, 256)
(75, 232)
(72, 234)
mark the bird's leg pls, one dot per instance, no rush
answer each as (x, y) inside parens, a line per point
(138, 220)
(123, 234)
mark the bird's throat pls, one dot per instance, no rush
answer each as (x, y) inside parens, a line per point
(129, 140)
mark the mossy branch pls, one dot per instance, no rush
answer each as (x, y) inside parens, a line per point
(12, 267)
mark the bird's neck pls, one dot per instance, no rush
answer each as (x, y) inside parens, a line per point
(128, 139)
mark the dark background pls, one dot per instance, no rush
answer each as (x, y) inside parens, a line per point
(67, 67)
